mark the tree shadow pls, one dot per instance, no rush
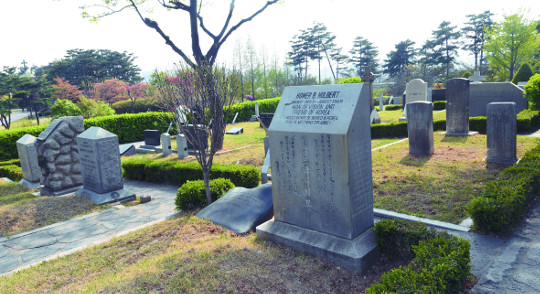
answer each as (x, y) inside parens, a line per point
(455, 139)
(415, 160)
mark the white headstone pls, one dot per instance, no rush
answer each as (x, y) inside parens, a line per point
(257, 108)
(181, 146)
(381, 102)
(416, 91)
(166, 144)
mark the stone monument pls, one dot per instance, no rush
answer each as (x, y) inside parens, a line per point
(481, 94)
(101, 168)
(58, 156)
(26, 147)
(416, 91)
(457, 107)
(322, 187)
(501, 128)
(420, 128)
(181, 146)
(381, 102)
(166, 144)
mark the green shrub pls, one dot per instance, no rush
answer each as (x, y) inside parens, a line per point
(467, 74)
(532, 92)
(193, 194)
(91, 108)
(11, 169)
(351, 80)
(523, 74)
(392, 107)
(478, 124)
(504, 200)
(527, 120)
(439, 105)
(247, 109)
(140, 105)
(64, 107)
(440, 264)
(8, 139)
(178, 173)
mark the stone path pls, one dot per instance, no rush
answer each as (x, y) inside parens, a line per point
(23, 250)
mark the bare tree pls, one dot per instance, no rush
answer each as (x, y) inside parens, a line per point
(201, 96)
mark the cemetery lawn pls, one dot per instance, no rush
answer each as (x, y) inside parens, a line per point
(189, 255)
(21, 211)
(439, 186)
(393, 116)
(29, 122)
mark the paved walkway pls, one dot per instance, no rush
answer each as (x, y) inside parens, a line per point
(59, 239)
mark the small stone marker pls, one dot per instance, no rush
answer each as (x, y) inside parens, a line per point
(26, 148)
(151, 137)
(58, 156)
(457, 107)
(477, 77)
(101, 168)
(481, 94)
(166, 144)
(127, 149)
(145, 199)
(381, 102)
(241, 210)
(265, 168)
(501, 128)
(235, 131)
(181, 146)
(234, 119)
(257, 108)
(420, 128)
(320, 142)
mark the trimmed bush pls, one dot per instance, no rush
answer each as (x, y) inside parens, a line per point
(247, 109)
(11, 169)
(440, 264)
(193, 194)
(439, 105)
(392, 107)
(64, 107)
(523, 74)
(478, 124)
(351, 80)
(505, 199)
(532, 92)
(140, 105)
(178, 173)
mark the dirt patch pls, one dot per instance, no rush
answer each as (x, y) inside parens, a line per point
(3, 181)
(252, 161)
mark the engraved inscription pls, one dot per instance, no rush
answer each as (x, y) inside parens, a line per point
(313, 108)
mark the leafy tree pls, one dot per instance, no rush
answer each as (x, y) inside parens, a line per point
(83, 68)
(511, 43)
(110, 91)
(474, 32)
(137, 91)
(443, 46)
(523, 74)
(532, 91)
(397, 60)
(363, 55)
(64, 107)
(91, 108)
(64, 90)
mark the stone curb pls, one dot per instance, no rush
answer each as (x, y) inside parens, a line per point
(435, 223)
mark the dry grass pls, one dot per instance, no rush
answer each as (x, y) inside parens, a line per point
(189, 255)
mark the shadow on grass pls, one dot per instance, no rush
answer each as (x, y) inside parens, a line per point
(414, 160)
(455, 139)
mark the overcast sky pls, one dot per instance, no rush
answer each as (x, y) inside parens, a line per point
(40, 31)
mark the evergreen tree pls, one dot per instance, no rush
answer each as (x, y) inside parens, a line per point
(443, 46)
(397, 60)
(363, 55)
(474, 33)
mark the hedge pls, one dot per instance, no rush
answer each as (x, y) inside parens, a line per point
(393, 107)
(178, 173)
(505, 199)
(440, 264)
(8, 140)
(439, 105)
(247, 109)
(140, 105)
(193, 193)
(11, 169)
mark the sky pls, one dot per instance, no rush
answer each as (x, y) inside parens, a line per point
(40, 31)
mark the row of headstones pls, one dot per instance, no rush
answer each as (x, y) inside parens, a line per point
(65, 158)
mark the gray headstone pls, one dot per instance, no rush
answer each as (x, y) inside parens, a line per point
(151, 137)
(457, 107)
(420, 128)
(181, 146)
(166, 144)
(101, 167)
(265, 168)
(241, 210)
(501, 128)
(26, 147)
(235, 131)
(234, 119)
(374, 117)
(320, 140)
(381, 102)
(58, 156)
(438, 94)
(481, 94)
(195, 134)
(127, 149)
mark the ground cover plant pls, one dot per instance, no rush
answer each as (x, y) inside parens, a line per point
(438, 186)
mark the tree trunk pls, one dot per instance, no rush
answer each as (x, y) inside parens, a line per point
(206, 175)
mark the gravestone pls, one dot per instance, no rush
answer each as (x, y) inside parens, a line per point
(501, 128)
(481, 94)
(438, 95)
(58, 156)
(320, 142)
(257, 109)
(265, 120)
(101, 168)
(151, 137)
(166, 144)
(195, 133)
(181, 146)
(26, 148)
(457, 107)
(420, 128)
(127, 149)
(381, 102)
(181, 116)
(416, 90)
(477, 77)
(241, 210)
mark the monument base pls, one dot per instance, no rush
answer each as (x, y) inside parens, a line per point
(121, 195)
(30, 185)
(44, 191)
(356, 255)
(459, 134)
(402, 119)
(501, 163)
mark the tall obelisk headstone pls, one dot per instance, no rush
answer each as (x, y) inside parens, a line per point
(101, 167)
(320, 142)
(58, 156)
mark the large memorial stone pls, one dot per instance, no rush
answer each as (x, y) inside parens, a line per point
(457, 107)
(501, 128)
(481, 94)
(241, 210)
(58, 156)
(320, 142)
(195, 134)
(26, 148)
(101, 168)
(420, 128)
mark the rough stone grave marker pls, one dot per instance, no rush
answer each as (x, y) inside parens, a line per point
(481, 94)
(101, 168)
(320, 142)
(58, 156)
(420, 128)
(26, 148)
(457, 107)
(501, 129)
